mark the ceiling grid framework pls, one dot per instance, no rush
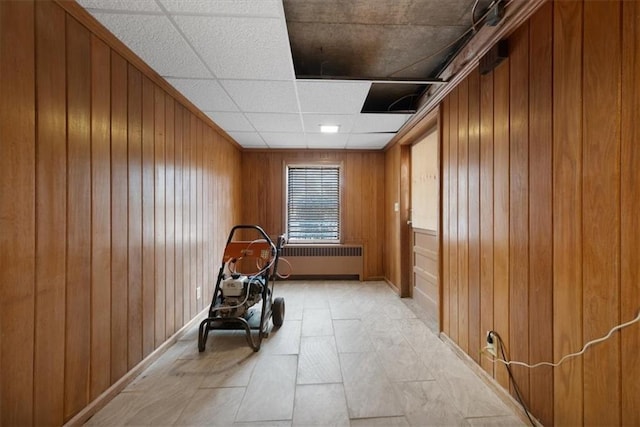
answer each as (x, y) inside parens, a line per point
(233, 60)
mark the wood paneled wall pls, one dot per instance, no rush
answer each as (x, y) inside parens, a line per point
(541, 195)
(397, 250)
(114, 207)
(263, 196)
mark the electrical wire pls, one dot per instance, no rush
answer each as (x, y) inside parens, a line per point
(513, 381)
(454, 42)
(568, 356)
(473, 15)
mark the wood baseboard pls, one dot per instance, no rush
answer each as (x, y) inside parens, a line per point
(101, 401)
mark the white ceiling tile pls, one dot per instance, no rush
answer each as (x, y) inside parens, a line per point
(332, 96)
(207, 95)
(154, 39)
(379, 122)
(284, 140)
(327, 140)
(230, 121)
(272, 122)
(312, 122)
(241, 48)
(125, 5)
(248, 139)
(369, 140)
(261, 8)
(262, 96)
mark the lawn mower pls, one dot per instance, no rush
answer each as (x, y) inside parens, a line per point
(243, 296)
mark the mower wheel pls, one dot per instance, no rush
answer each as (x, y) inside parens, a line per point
(277, 310)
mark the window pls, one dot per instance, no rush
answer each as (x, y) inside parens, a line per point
(313, 203)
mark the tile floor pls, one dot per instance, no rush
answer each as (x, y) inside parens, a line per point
(348, 354)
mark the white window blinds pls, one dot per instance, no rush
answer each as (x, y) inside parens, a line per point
(313, 203)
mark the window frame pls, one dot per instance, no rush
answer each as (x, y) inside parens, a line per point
(318, 165)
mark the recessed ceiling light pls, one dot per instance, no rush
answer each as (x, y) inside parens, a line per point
(329, 128)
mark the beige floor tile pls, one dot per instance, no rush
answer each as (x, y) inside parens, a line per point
(316, 322)
(351, 336)
(354, 349)
(509, 420)
(320, 405)
(318, 361)
(380, 422)
(271, 390)
(369, 392)
(284, 340)
(426, 403)
(405, 365)
(212, 407)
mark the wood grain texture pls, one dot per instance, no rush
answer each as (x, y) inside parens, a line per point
(486, 210)
(519, 206)
(148, 218)
(17, 211)
(170, 217)
(445, 233)
(476, 334)
(134, 253)
(179, 195)
(567, 217)
(82, 160)
(463, 216)
(78, 298)
(160, 207)
(100, 218)
(119, 210)
(630, 205)
(51, 214)
(601, 209)
(453, 215)
(501, 211)
(540, 213)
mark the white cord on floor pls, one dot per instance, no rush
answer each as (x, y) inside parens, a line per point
(568, 356)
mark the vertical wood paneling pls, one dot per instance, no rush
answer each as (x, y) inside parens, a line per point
(601, 207)
(179, 196)
(463, 215)
(134, 149)
(78, 301)
(476, 335)
(540, 213)
(86, 226)
(119, 209)
(161, 207)
(17, 213)
(170, 215)
(630, 206)
(445, 233)
(100, 217)
(51, 214)
(519, 205)
(567, 214)
(148, 218)
(501, 210)
(453, 215)
(200, 204)
(186, 215)
(486, 209)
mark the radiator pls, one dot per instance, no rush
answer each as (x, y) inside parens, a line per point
(323, 261)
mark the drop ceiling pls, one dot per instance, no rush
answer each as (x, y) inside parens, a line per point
(270, 72)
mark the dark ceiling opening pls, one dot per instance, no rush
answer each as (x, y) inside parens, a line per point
(383, 40)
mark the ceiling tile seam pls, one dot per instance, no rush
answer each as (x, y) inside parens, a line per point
(186, 39)
(295, 81)
(221, 15)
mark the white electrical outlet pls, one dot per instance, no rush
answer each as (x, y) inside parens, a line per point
(198, 292)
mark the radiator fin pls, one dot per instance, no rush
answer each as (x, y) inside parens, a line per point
(312, 251)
